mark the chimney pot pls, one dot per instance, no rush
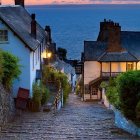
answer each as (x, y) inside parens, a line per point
(33, 26)
(48, 30)
(33, 16)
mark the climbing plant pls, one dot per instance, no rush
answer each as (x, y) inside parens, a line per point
(51, 74)
(11, 69)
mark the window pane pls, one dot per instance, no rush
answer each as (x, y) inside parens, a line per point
(3, 35)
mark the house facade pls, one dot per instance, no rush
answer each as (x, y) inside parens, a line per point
(22, 36)
(113, 52)
(66, 68)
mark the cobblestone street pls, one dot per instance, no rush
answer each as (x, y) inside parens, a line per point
(77, 121)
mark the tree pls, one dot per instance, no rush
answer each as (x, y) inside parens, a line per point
(62, 53)
(129, 93)
(11, 69)
(112, 92)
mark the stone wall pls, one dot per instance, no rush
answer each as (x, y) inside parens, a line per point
(127, 125)
(7, 106)
(120, 120)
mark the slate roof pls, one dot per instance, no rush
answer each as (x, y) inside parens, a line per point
(19, 21)
(63, 66)
(117, 57)
(130, 41)
(93, 50)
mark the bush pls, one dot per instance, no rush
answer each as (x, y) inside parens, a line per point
(129, 93)
(62, 53)
(37, 95)
(138, 111)
(66, 91)
(45, 94)
(112, 93)
(59, 78)
(40, 94)
(77, 90)
(104, 84)
(65, 85)
(11, 69)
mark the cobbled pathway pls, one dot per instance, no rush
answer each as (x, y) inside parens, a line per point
(76, 121)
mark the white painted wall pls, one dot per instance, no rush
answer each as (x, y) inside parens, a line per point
(138, 65)
(17, 48)
(91, 71)
(33, 68)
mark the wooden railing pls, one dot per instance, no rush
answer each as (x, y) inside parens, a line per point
(110, 74)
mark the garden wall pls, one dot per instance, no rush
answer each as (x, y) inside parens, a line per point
(120, 120)
(7, 106)
(127, 125)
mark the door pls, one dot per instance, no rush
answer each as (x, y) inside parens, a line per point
(94, 93)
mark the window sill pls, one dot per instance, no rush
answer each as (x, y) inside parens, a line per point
(4, 42)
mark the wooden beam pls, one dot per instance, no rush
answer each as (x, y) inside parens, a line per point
(126, 66)
(110, 69)
(101, 70)
(136, 65)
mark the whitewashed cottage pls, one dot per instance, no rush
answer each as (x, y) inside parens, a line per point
(114, 52)
(22, 36)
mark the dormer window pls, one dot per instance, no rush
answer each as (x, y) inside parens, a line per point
(3, 36)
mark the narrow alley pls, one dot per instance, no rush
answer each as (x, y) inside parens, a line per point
(76, 121)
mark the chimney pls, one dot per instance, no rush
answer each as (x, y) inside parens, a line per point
(19, 2)
(110, 33)
(48, 30)
(33, 26)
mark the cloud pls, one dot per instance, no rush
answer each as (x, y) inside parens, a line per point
(34, 2)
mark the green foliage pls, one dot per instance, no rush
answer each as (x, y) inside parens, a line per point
(45, 94)
(11, 69)
(40, 94)
(104, 84)
(37, 95)
(138, 111)
(129, 91)
(112, 93)
(77, 89)
(50, 74)
(63, 80)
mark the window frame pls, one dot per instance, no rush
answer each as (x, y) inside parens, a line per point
(130, 66)
(4, 38)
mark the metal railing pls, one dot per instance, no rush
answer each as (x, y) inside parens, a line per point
(110, 74)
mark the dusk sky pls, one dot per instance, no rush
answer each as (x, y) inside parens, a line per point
(41, 2)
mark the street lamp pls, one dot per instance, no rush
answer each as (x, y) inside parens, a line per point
(48, 55)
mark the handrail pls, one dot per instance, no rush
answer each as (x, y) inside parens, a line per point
(110, 74)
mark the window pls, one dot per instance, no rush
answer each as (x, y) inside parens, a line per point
(3, 35)
(94, 91)
(129, 66)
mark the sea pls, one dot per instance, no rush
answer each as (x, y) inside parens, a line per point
(72, 24)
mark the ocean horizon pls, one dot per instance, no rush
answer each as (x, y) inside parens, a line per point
(72, 24)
